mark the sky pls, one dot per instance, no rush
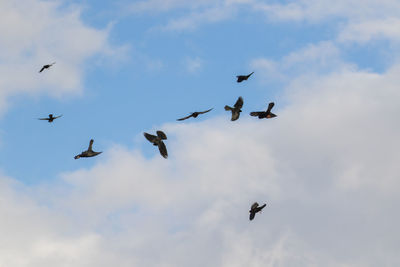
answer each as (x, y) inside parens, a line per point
(327, 165)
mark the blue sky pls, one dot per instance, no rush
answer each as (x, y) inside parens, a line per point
(327, 165)
(151, 83)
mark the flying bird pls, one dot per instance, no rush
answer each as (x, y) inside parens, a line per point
(236, 109)
(50, 118)
(254, 209)
(264, 114)
(241, 78)
(89, 152)
(46, 66)
(194, 114)
(157, 141)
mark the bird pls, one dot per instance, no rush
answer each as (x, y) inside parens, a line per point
(50, 118)
(46, 66)
(264, 114)
(89, 152)
(254, 209)
(194, 114)
(241, 78)
(157, 141)
(236, 109)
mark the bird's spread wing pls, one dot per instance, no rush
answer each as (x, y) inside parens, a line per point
(42, 69)
(256, 113)
(162, 135)
(150, 137)
(90, 144)
(163, 149)
(239, 103)
(252, 215)
(202, 112)
(254, 206)
(187, 117)
(43, 119)
(270, 106)
(58, 117)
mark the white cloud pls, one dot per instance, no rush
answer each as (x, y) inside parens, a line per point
(326, 167)
(323, 57)
(366, 31)
(34, 33)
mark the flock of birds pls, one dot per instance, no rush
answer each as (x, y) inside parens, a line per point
(157, 140)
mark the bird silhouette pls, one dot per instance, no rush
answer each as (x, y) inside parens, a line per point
(241, 78)
(194, 114)
(46, 66)
(254, 209)
(236, 109)
(264, 114)
(157, 141)
(50, 118)
(89, 152)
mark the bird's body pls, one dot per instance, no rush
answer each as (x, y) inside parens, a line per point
(46, 66)
(255, 208)
(89, 152)
(51, 118)
(156, 140)
(264, 114)
(194, 114)
(241, 78)
(236, 109)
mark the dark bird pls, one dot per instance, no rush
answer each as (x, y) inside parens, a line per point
(264, 114)
(194, 114)
(236, 109)
(241, 78)
(89, 152)
(50, 118)
(254, 209)
(157, 141)
(46, 66)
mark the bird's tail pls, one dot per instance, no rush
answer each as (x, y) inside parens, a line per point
(228, 108)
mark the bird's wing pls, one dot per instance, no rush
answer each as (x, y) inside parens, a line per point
(252, 215)
(270, 106)
(254, 206)
(90, 144)
(239, 103)
(43, 119)
(58, 117)
(261, 207)
(256, 113)
(208, 110)
(227, 108)
(163, 149)
(187, 117)
(150, 137)
(42, 69)
(248, 76)
(162, 135)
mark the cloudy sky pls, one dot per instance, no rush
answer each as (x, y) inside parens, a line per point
(327, 166)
